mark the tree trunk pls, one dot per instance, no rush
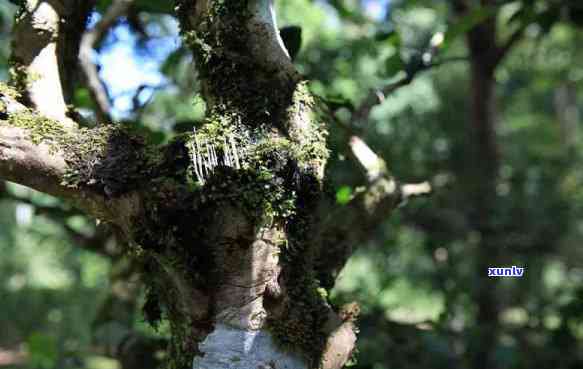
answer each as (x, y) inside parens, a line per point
(483, 172)
(486, 163)
(230, 223)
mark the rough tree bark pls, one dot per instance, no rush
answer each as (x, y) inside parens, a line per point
(228, 222)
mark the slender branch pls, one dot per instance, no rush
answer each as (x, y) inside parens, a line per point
(415, 189)
(514, 38)
(378, 95)
(91, 38)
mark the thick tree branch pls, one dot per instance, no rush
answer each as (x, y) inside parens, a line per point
(340, 343)
(351, 224)
(91, 38)
(32, 165)
(34, 152)
(40, 167)
(38, 56)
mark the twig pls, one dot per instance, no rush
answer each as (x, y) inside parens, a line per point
(415, 189)
(91, 38)
(514, 38)
(425, 62)
(378, 95)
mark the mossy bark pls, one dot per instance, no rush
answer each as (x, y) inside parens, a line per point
(222, 219)
(239, 252)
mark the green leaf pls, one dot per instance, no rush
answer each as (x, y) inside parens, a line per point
(464, 25)
(83, 98)
(43, 351)
(346, 12)
(173, 61)
(337, 102)
(394, 64)
(394, 40)
(292, 39)
(102, 5)
(384, 31)
(344, 195)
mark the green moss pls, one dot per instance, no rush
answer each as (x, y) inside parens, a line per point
(20, 77)
(277, 182)
(41, 129)
(300, 329)
(273, 186)
(8, 91)
(109, 159)
(233, 79)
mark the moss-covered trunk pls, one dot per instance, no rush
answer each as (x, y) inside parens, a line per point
(231, 259)
(224, 220)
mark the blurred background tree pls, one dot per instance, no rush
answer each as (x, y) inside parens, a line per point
(480, 96)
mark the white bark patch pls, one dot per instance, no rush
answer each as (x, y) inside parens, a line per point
(46, 83)
(265, 41)
(35, 45)
(247, 272)
(231, 348)
(265, 12)
(45, 17)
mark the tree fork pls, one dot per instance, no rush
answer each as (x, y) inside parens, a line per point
(227, 220)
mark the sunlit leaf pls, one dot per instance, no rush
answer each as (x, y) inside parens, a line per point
(344, 195)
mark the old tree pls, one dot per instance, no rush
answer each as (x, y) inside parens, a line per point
(231, 223)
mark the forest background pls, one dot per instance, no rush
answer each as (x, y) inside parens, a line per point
(66, 293)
